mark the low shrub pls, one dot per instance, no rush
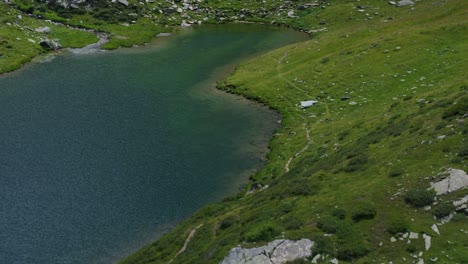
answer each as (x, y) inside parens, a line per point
(395, 172)
(397, 225)
(262, 232)
(292, 223)
(227, 222)
(339, 213)
(419, 197)
(327, 224)
(362, 212)
(443, 210)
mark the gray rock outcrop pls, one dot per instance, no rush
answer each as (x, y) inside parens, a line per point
(276, 252)
(50, 44)
(456, 180)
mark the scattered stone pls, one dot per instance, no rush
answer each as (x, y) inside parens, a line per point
(405, 3)
(427, 241)
(276, 252)
(334, 261)
(352, 103)
(435, 229)
(123, 2)
(392, 239)
(316, 258)
(413, 235)
(291, 14)
(456, 180)
(441, 137)
(185, 24)
(163, 35)
(461, 204)
(45, 30)
(309, 103)
(421, 261)
(31, 40)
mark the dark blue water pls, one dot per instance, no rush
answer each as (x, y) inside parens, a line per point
(101, 153)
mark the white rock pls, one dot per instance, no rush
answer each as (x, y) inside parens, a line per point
(435, 229)
(462, 201)
(421, 261)
(123, 2)
(334, 261)
(291, 14)
(316, 258)
(427, 241)
(290, 250)
(309, 103)
(413, 235)
(185, 24)
(392, 239)
(45, 30)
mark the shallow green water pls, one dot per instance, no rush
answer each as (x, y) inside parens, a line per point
(102, 153)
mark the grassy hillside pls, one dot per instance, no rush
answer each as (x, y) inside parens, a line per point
(392, 97)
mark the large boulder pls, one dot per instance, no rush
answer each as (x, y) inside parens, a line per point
(276, 252)
(456, 180)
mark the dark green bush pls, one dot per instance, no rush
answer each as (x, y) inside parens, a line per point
(357, 163)
(419, 197)
(324, 245)
(395, 172)
(227, 222)
(411, 248)
(262, 232)
(398, 225)
(460, 108)
(327, 224)
(350, 250)
(362, 212)
(292, 223)
(300, 187)
(443, 210)
(339, 213)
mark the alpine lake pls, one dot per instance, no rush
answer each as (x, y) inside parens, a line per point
(102, 153)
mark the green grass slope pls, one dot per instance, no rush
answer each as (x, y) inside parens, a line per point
(392, 97)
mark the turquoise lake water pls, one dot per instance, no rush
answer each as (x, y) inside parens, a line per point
(102, 153)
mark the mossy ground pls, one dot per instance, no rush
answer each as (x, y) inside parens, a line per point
(391, 89)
